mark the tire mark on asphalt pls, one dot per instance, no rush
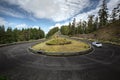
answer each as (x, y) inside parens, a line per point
(98, 61)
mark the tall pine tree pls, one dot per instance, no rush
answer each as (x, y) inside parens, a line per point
(90, 23)
(2, 34)
(103, 14)
(73, 27)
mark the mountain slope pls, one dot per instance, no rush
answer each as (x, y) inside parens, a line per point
(108, 33)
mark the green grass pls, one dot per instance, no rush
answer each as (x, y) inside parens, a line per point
(58, 41)
(74, 46)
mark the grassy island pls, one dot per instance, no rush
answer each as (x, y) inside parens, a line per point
(60, 44)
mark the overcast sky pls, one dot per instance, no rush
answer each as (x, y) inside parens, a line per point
(48, 13)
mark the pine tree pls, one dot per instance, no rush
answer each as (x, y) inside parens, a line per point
(96, 25)
(79, 28)
(52, 32)
(9, 35)
(84, 27)
(118, 11)
(70, 29)
(103, 14)
(15, 34)
(65, 30)
(73, 27)
(113, 16)
(90, 23)
(2, 35)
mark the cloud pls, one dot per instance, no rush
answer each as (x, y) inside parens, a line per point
(57, 10)
(25, 26)
(84, 16)
(10, 12)
(112, 4)
(2, 21)
(20, 26)
(37, 27)
(59, 25)
(56, 25)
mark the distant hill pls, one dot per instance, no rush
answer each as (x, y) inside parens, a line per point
(109, 33)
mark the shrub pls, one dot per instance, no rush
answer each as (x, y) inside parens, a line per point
(58, 41)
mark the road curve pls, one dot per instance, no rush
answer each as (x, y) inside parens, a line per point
(18, 63)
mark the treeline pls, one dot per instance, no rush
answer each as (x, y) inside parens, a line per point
(10, 35)
(93, 23)
(52, 31)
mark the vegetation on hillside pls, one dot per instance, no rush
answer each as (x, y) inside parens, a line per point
(14, 35)
(52, 32)
(109, 33)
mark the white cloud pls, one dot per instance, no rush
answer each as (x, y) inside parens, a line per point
(112, 4)
(20, 26)
(37, 27)
(56, 10)
(84, 16)
(58, 25)
(2, 21)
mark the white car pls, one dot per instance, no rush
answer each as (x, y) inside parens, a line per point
(97, 44)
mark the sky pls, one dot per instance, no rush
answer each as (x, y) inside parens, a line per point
(47, 14)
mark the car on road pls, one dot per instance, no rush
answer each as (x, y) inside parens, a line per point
(97, 44)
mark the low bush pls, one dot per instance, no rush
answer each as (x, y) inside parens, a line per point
(58, 41)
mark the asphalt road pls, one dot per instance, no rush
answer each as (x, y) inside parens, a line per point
(17, 63)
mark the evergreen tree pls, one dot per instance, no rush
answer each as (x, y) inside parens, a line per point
(9, 35)
(103, 14)
(79, 28)
(73, 27)
(90, 23)
(70, 29)
(113, 16)
(15, 35)
(84, 27)
(96, 25)
(118, 11)
(52, 32)
(2, 35)
(41, 33)
(65, 30)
